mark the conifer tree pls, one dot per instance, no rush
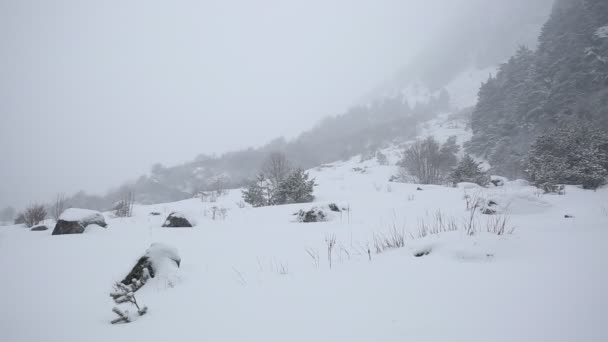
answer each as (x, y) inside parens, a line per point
(468, 170)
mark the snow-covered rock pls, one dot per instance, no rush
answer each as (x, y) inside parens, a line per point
(39, 228)
(160, 261)
(498, 180)
(75, 220)
(84, 216)
(177, 220)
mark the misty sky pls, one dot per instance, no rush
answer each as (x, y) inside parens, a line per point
(92, 93)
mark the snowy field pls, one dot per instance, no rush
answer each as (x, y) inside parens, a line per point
(256, 275)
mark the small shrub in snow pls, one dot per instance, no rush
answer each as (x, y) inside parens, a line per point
(124, 207)
(34, 214)
(218, 213)
(59, 206)
(438, 223)
(315, 214)
(394, 239)
(499, 225)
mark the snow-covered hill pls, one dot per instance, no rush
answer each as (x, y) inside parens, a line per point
(257, 275)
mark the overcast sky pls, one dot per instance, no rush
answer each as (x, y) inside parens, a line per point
(92, 93)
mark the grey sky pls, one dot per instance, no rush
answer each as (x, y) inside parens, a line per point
(92, 93)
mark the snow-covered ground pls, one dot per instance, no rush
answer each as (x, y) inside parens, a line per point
(257, 275)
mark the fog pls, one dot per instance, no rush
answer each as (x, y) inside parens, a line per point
(92, 93)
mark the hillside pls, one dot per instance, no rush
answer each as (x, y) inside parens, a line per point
(258, 275)
(562, 83)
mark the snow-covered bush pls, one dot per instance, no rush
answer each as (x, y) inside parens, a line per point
(34, 214)
(315, 214)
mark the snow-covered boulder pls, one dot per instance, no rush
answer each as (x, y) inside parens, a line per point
(159, 260)
(39, 228)
(75, 220)
(177, 220)
(498, 180)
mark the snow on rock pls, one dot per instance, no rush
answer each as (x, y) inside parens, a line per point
(74, 221)
(498, 180)
(84, 216)
(160, 261)
(39, 228)
(177, 220)
(160, 251)
(165, 261)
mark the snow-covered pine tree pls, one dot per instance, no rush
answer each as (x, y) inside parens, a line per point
(468, 170)
(258, 192)
(572, 155)
(296, 188)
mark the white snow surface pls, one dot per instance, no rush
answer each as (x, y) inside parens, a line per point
(258, 276)
(165, 260)
(85, 216)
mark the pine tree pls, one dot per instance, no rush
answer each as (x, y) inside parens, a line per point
(296, 188)
(468, 170)
(258, 192)
(572, 155)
